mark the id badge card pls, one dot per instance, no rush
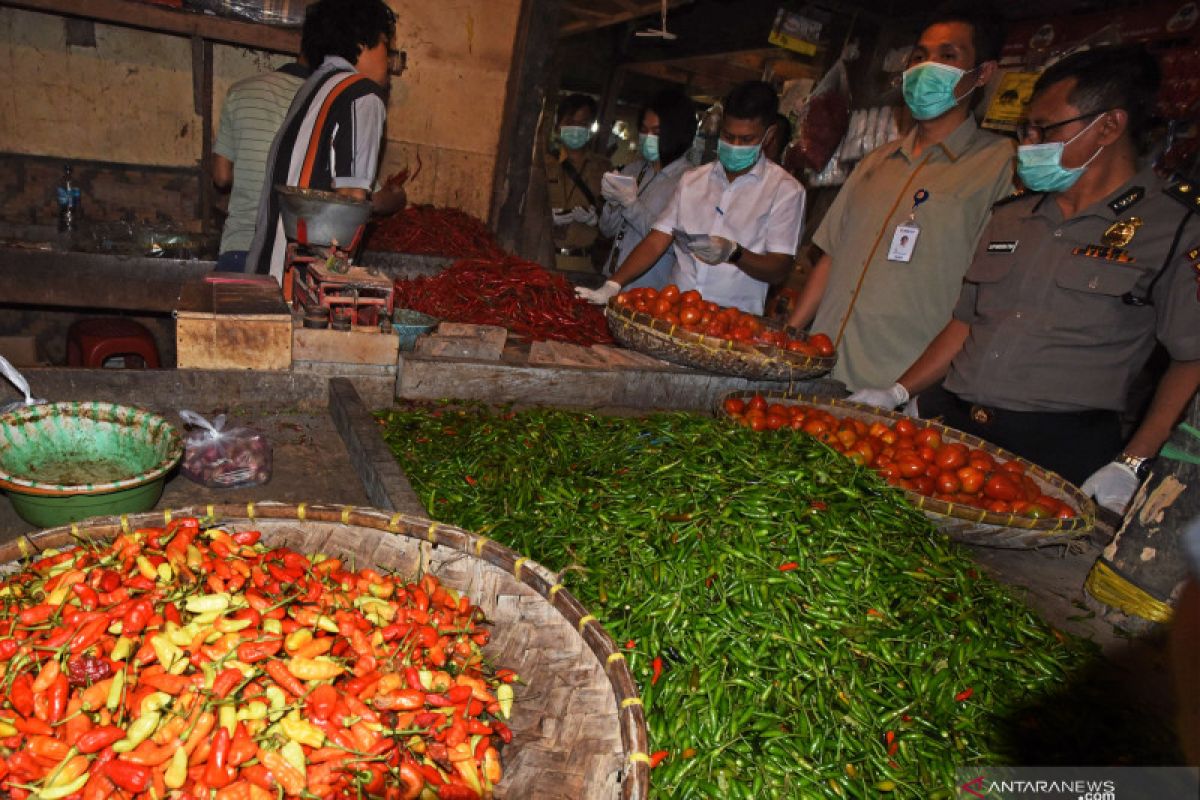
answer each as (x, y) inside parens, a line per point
(904, 242)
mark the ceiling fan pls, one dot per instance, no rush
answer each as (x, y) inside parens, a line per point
(661, 32)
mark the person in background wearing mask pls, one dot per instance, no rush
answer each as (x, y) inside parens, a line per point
(882, 301)
(573, 180)
(331, 137)
(1070, 286)
(734, 223)
(643, 188)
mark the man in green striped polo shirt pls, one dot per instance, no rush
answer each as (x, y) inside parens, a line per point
(254, 109)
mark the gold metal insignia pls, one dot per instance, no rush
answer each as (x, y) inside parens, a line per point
(1121, 232)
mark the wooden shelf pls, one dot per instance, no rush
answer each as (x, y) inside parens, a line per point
(165, 20)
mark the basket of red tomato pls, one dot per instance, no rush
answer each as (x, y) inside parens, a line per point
(974, 491)
(686, 329)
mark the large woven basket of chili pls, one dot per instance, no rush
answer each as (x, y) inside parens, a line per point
(578, 728)
(962, 522)
(648, 334)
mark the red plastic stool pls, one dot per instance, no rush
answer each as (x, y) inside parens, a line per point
(90, 342)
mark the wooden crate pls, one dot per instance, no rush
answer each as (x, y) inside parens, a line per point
(233, 325)
(326, 345)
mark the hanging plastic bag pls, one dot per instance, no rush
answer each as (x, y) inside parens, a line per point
(18, 380)
(823, 121)
(224, 458)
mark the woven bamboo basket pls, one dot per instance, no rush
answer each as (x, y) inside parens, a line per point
(579, 730)
(961, 522)
(644, 333)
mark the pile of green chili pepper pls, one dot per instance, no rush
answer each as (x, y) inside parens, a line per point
(796, 629)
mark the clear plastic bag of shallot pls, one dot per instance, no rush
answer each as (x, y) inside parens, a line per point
(224, 458)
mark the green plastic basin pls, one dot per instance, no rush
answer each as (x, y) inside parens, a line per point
(64, 462)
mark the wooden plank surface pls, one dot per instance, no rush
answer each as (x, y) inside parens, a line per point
(423, 378)
(165, 20)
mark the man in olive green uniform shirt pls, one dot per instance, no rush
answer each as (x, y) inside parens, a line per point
(573, 182)
(1070, 287)
(882, 305)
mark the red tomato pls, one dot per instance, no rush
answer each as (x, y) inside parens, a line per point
(951, 455)
(999, 507)
(923, 484)
(690, 298)
(1015, 467)
(1000, 487)
(982, 461)
(776, 421)
(905, 427)
(948, 482)
(757, 403)
(816, 427)
(757, 420)
(734, 405)
(927, 453)
(689, 315)
(971, 478)
(670, 292)
(928, 436)
(822, 343)
(910, 467)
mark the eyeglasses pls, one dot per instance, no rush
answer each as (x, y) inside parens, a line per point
(1036, 134)
(397, 62)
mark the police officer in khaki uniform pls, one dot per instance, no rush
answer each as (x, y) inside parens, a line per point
(573, 180)
(1071, 285)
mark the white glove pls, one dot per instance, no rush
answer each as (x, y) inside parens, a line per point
(1112, 485)
(895, 395)
(910, 408)
(562, 217)
(585, 216)
(600, 296)
(712, 249)
(619, 189)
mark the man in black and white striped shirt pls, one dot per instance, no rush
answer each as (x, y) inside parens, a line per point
(331, 137)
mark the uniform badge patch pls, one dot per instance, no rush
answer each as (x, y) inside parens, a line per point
(1002, 247)
(1104, 252)
(1121, 232)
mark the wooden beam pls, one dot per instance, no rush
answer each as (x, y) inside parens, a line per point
(633, 11)
(520, 207)
(164, 20)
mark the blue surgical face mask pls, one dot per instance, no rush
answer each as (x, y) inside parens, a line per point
(929, 89)
(1039, 166)
(575, 137)
(648, 146)
(735, 157)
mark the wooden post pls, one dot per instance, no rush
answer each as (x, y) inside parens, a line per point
(520, 212)
(202, 100)
(1141, 572)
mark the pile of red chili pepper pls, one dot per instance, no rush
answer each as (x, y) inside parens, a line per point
(511, 292)
(427, 230)
(205, 664)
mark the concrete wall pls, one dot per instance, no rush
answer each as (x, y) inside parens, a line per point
(129, 98)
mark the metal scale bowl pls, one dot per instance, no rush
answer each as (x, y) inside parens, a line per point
(324, 230)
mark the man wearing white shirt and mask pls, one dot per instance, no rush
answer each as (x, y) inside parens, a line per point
(734, 223)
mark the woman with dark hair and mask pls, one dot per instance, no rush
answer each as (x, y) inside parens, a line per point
(635, 196)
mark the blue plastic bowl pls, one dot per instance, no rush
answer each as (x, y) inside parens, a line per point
(410, 324)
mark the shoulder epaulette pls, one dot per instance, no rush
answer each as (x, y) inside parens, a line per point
(1186, 193)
